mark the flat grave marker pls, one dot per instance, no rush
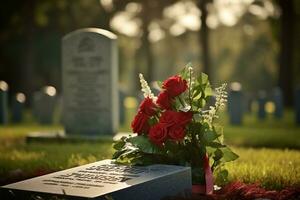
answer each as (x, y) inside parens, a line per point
(104, 178)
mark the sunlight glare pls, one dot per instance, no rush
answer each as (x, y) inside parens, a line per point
(3, 86)
(107, 4)
(50, 90)
(133, 7)
(177, 29)
(190, 21)
(156, 33)
(124, 23)
(20, 97)
(270, 107)
(258, 11)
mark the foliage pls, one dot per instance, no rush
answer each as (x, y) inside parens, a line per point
(201, 136)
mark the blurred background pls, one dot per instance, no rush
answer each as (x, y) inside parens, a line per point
(253, 42)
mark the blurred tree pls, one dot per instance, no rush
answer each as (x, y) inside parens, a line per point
(204, 36)
(287, 38)
(149, 12)
(32, 31)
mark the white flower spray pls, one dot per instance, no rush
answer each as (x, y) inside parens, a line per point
(191, 79)
(221, 98)
(146, 89)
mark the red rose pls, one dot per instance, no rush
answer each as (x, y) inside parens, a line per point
(148, 107)
(176, 118)
(140, 124)
(183, 118)
(164, 100)
(175, 85)
(176, 133)
(158, 133)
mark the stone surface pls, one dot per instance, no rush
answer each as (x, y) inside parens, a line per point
(18, 104)
(261, 100)
(44, 105)
(60, 136)
(90, 78)
(278, 101)
(3, 102)
(105, 180)
(235, 104)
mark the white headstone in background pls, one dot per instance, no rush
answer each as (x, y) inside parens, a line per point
(90, 82)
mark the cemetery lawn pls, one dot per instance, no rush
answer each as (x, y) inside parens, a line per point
(274, 167)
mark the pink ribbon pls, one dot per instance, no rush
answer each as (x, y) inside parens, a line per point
(208, 188)
(209, 183)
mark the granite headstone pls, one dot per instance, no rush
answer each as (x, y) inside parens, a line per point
(3, 102)
(278, 102)
(261, 101)
(44, 104)
(18, 103)
(90, 83)
(106, 180)
(235, 103)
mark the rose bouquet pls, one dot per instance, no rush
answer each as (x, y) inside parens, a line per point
(178, 127)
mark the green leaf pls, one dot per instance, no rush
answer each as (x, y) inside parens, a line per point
(208, 91)
(185, 72)
(209, 136)
(203, 79)
(144, 144)
(222, 176)
(126, 156)
(228, 155)
(216, 145)
(119, 144)
(195, 127)
(217, 155)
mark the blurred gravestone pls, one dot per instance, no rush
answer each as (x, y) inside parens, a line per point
(248, 102)
(90, 78)
(278, 101)
(44, 104)
(3, 102)
(297, 105)
(261, 101)
(235, 103)
(122, 96)
(18, 107)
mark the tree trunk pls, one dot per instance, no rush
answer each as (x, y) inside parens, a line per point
(204, 37)
(148, 56)
(285, 77)
(29, 56)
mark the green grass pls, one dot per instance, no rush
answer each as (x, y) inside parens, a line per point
(270, 132)
(274, 168)
(51, 157)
